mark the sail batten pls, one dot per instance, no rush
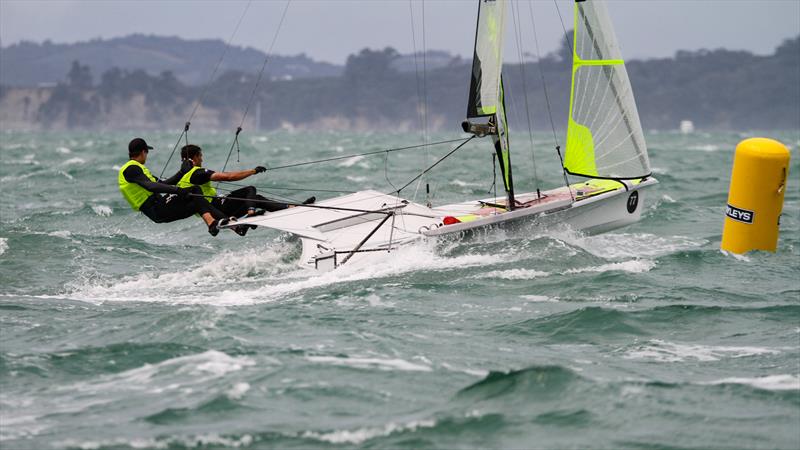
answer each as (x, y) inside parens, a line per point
(604, 135)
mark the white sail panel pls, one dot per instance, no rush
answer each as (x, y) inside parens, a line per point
(604, 135)
(487, 62)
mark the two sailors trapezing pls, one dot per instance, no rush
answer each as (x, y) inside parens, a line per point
(189, 191)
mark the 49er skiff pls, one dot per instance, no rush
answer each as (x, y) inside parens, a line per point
(604, 143)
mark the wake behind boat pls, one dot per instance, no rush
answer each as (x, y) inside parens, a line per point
(605, 144)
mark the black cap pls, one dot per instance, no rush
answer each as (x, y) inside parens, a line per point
(137, 145)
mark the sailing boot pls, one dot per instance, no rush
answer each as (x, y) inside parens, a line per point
(213, 228)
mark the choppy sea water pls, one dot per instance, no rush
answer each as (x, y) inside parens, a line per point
(120, 333)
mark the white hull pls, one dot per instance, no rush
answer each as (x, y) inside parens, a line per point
(375, 223)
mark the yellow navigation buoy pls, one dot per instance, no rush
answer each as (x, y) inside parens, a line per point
(755, 197)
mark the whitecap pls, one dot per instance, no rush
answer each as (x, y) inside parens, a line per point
(63, 150)
(704, 148)
(372, 363)
(375, 301)
(539, 298)
(14, 178)
(460, 183)
(736, 256)
(356, 179)
(195, 441)
(19, 426)
(663, 351)
(237, 391)
(72, 161)
(3, 245)
(361, 435)
(769, 382)
(170, 374)
(102, 210)
(630, 245)
(220, 269)
(475, 372)
(231, 267)
(513, 274)
(349, 162)
(633, 266)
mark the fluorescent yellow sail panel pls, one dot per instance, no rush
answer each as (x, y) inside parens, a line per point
(580, 158)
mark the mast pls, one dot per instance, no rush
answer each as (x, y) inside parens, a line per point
(502, 148)
(486, 97)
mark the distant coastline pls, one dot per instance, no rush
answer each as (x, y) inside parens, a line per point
(153, 83)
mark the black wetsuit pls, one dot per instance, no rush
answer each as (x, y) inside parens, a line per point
(231, 205)
(162, 209)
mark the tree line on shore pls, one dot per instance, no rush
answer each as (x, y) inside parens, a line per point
(716, 89)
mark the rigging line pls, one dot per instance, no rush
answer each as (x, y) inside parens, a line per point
(566, 35)
(420, 104)
(335, 208)
(274, 196)
(219, 62)
(424, 79)
(266, 59)
(336, 158)
(544, 87)
(286, 213)
(435, 164)
(280, 188)
(397, 201)
(425, 93)
(207, 86)
(541, 74)
(255, 86)
(177, 143)
(494, 176)
(386, 170)
(518, 34)
(416, 69)
(235, 144)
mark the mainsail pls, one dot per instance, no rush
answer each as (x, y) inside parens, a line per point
(486, 87)
(604, 135)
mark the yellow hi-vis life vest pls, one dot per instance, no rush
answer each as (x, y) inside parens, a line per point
(186, 181)
(133, 193)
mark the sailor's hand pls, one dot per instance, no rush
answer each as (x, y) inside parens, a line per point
(260, 169)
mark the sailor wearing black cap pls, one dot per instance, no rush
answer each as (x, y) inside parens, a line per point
(142, 191)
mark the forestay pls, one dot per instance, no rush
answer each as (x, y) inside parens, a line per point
(604, 135)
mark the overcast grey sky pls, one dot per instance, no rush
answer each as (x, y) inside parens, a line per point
(329, 30)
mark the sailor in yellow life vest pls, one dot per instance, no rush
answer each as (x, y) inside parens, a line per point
(143, 192)
(240, 202)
